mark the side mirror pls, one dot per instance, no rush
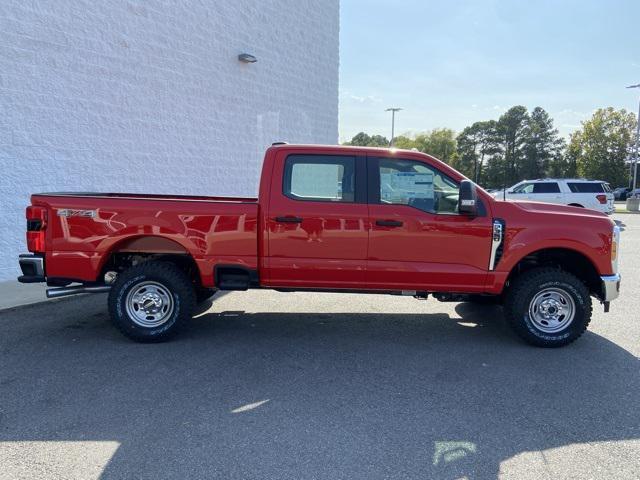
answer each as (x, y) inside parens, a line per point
(468, 199)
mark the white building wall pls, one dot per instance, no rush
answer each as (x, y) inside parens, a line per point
(139, 96)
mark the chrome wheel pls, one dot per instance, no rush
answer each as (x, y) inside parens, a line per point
(149, 304)
(552, 310)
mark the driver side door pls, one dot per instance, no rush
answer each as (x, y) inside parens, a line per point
(418, 240)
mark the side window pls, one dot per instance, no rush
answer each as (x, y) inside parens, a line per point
(407, 182)
(586, 187)
(319, 178)
(524, 188)
(546, 187)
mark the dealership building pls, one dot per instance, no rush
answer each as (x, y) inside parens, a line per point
(158, 98)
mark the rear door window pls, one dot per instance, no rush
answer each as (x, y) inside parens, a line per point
(546, 187)
(320, 178)
(586, 187)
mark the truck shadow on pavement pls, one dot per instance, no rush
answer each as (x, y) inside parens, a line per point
(313, 395)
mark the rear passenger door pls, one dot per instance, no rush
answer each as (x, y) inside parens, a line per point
(317, 222)
(546, 192)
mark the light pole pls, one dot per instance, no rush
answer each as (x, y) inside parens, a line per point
(393, 111)
(635, 159)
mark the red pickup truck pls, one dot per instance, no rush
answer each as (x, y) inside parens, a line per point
(328, 218)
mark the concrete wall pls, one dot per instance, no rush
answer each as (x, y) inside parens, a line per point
(150, 97)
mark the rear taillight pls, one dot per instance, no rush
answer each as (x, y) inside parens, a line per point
(602, 199)
(36, 225)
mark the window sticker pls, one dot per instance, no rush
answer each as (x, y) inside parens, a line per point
(402, 187)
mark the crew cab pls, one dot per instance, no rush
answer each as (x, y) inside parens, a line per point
(328, 219)
(576, 192)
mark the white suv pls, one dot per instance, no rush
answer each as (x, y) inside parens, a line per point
(577, 192)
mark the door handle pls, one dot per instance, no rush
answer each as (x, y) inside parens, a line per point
(389, 223)
(288, 219)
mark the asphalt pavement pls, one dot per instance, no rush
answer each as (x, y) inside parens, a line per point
(321, 386)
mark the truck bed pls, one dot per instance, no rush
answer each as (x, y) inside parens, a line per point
(85, 229)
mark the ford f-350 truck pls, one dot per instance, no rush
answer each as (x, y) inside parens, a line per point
(328, 218)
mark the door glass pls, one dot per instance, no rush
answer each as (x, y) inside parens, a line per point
(407, 182)
(524, 188)
(546, 187)
(319, 178)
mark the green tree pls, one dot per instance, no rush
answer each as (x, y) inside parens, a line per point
(476, 144)
(364, 140)
(565, 165)
(404, 142)
(494, 172)
(541, 145)
(440, 142)
(512, 130)
(602, 145)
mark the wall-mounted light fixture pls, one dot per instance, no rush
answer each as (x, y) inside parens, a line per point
(247, 58)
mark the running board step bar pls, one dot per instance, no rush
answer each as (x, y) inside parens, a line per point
(66, 291)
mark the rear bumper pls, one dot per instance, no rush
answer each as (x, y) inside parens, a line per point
(610, 287)
(32, 266)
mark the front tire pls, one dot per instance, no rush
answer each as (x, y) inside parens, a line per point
(152, 301)
(548, 307)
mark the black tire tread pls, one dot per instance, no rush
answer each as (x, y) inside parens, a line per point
(519, 289)
(169, 273)
(204, 294)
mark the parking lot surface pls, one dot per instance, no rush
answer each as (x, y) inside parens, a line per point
(321, 386)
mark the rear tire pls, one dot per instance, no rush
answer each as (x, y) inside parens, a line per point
(152, 301)
(548, 307)
(484, 299)
(204, 294)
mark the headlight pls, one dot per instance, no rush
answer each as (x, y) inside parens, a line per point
(615, 245)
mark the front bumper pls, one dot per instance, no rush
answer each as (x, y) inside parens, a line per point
(32, 266)
(610, 287)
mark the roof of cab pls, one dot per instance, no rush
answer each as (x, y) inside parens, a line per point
(321, 147)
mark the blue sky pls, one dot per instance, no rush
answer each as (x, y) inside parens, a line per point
(450, 63)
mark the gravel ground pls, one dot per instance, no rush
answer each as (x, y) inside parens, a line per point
(321, 386)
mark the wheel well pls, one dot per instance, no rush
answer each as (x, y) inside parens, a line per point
(576, 205)
(119, 261)
(564, 259)
(135, 250)
(149, 244)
